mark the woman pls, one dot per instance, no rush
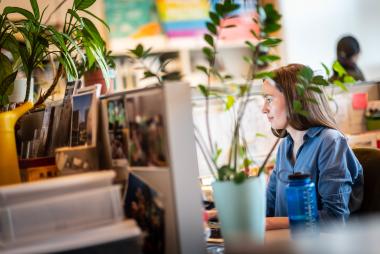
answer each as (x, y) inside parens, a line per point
(311, 144)
(347, 53)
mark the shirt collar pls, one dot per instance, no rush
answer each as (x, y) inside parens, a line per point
(313, 131)
(310, 133)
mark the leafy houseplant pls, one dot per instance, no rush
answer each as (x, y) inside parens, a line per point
(139, 57)
(93, 74)
(42, 41)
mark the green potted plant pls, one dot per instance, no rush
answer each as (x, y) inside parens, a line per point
(239, 198)
(93, 74)
(42, 41)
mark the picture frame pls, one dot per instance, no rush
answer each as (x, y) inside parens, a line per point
(84, 119)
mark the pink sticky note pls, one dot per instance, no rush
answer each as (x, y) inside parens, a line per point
(359, 100)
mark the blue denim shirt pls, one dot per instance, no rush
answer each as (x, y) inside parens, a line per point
(336, 172)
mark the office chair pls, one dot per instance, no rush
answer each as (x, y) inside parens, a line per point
(369, 158)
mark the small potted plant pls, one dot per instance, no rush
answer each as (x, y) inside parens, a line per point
(93, 74)
(43, 41)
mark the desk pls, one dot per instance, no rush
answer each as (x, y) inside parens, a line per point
(279, 235)
(276, 241)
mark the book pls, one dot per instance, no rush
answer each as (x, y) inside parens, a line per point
(145, 205)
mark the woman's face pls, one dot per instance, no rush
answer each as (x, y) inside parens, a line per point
(274, 105)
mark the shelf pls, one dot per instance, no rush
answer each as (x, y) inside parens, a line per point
(161, 43)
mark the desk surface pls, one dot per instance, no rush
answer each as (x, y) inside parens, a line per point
(276, 241)
(279, 235)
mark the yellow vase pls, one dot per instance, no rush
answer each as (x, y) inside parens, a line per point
(9, 171)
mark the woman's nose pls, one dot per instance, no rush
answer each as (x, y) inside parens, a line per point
(264, 109)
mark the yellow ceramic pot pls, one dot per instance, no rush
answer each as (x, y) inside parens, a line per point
(9, 171)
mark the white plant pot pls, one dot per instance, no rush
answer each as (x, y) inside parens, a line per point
(19, 91)
(241, 211)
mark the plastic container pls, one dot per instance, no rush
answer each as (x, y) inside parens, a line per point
(124, 235)
(70, 212)
(26, 192)
(302, 206)
(373, 123)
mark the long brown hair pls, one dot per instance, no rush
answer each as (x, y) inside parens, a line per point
(318, 114)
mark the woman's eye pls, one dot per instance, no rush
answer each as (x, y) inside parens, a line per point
(269, 99)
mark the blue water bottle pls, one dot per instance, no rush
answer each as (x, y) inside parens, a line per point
(302, 206)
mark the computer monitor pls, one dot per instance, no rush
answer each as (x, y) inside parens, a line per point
(157, 144)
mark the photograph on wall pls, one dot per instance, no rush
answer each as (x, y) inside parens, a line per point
(83, 120)
(145, 205)
(147, 144)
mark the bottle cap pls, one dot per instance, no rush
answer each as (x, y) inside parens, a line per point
(299, 176)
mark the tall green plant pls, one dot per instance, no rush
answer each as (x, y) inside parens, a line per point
(83, 42)
(42, 41)
(268, 22)
(38, 39)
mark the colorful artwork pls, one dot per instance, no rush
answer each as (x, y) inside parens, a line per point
(183, 18)
(132, 18)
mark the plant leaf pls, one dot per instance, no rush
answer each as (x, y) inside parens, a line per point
(97, 18)
(211, 28)
(35, 8)
(204, 90)
(349, 79)
(208, 53)
(297, 105)
(251, 46)
(268, 58)
(327, 71)
(27, 14)
(300, 89)
(319, 80)
(225, 173)
(270, 42)
(217, 154)
(138, 51)
(260, 135)
(263, 75)
(314, 101)
(202, 69)
(214, 18)
(243, 89)
(240, 177)
(93, 32)
(338, 68)
(340, 85)
(315, 89)
(83, 4)
(219, 9)
(7, 83)
(208, 38)
(306, 73)
(230, 102)
(248, 60)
